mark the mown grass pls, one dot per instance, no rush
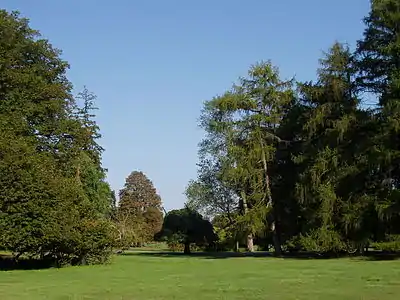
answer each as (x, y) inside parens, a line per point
(152, 276)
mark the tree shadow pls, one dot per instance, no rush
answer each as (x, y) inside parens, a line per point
(382, 256)
(225, 255)
(7, 263)
(206, 255)
(373, 256)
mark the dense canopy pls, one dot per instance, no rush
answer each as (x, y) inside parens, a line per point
(296, 166)
(306, 165)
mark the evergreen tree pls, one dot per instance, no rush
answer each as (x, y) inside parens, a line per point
(329, 154)
(378, 56)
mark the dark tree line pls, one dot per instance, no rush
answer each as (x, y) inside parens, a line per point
(305, 165)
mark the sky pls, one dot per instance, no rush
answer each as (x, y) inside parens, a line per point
(153, 63)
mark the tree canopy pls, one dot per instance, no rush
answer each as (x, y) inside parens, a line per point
(186, 226)
(296, 165)
(140, 202)
(305, 165)
(54, 196)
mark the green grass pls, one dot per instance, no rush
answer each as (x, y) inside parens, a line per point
(152, 276)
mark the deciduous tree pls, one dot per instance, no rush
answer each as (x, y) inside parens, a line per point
(186, 227)
(54, 196)
(139, 198)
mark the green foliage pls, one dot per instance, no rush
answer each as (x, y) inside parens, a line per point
(228, 233)
(241, 143)
(323, 240)
(54, 197)
(390, 244)
(311, 167)
(187, 227)
(140, 202)
(129, 230)
(175, 242)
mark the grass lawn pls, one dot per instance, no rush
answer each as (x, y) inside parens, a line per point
(151, 276)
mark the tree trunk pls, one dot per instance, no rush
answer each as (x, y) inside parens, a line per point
(82, 261)
(250, 244)
(237, 246)
(276, 241)
(186, 250)
(272, 224)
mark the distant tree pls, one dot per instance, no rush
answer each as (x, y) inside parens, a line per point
(229, 236)
(139, 198)
(186, 226)
(129, 230)
(139, 193)
(153, 218)
(209, 195)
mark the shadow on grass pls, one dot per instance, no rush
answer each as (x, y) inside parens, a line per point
(7, 263)
(372, 256)
(380, 256)
(225, 255)
(207, 255)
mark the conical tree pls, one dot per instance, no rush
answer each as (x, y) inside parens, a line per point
(139, 198)
(378, 55)
(331, 187)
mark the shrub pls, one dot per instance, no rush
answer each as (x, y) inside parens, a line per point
(322, 240)
(391, 244)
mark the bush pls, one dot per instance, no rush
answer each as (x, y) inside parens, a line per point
(392, 244)
(89, 242)
(321, 240)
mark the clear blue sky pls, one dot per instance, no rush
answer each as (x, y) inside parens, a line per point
(152, 63)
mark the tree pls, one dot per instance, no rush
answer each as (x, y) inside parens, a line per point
(330, 158)
(53, 187)
(129, 230)
(186, 227)
(248, 118)
(88, 165)
(139, 198)
(311, 167)
(209, 194)
(378, 55)
(139, 193)
(153, 218)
